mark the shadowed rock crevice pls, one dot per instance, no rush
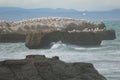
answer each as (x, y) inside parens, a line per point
(38, 67)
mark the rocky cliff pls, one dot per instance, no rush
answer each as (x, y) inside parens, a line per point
(38, 67)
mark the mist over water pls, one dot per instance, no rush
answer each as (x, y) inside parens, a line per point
(106, 58)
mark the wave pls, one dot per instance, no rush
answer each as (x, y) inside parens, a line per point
(61, 46)
(83, 48)
(57, 45)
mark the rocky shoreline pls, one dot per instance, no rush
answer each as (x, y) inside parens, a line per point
(38, 67)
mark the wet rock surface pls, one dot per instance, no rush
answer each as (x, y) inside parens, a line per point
(38, 67)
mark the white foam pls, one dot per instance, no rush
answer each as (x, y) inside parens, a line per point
(57, 45)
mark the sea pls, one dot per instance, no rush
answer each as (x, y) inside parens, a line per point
(105, 58)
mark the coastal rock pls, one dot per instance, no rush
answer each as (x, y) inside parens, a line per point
(12, 38)
(41, 32)
(80, 38)
(106, 34)
(37, 67)
(9, 35)
(52, 23)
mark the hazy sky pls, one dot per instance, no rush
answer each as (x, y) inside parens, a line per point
(68, 4)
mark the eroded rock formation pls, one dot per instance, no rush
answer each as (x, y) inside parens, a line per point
(38, 67)
(52, 23)
(41, 32)
(82, 38)
(7, 34)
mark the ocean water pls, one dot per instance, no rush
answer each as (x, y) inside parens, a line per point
(105, 58)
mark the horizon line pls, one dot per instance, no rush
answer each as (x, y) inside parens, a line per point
(60, 8)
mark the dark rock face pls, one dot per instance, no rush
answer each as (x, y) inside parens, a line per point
(36, 67)
(44, 39)
(106, 34)
(12, 38)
